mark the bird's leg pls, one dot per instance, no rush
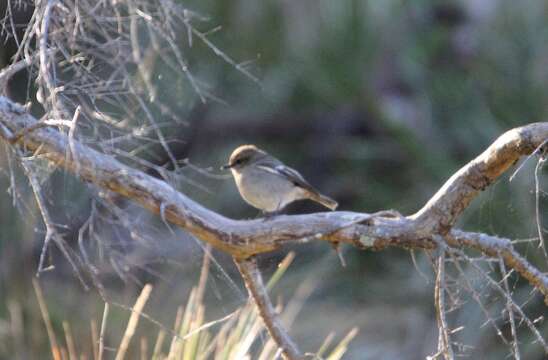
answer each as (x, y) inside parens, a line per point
(264, 215)
(270, 214)
(337, 247)
(267, 215)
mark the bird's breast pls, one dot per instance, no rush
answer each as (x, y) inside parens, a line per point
(265, 191)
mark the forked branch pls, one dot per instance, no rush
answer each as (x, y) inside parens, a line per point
(245, 238)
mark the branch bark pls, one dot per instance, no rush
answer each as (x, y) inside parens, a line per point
(244, 238)
(441, 212)
(256, 288)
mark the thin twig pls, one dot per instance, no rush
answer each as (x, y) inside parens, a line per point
(51, 231)
(495, 246)
(496, 286)
(7, 73)
(476, 296)
(536, 152)
(245, 238)
(540, 230)
(44, 62)
(444, 342)
(509, 310)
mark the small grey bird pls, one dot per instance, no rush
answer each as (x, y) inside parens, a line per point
(267, 184)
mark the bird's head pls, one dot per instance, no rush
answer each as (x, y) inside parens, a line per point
(244, 155)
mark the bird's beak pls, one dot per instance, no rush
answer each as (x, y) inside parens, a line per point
(226, 167)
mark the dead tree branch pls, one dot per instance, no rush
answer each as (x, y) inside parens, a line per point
(256, 288)
(444, 341)
(443, 209)
(245, 238)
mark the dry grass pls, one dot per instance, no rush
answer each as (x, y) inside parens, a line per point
(239, 335)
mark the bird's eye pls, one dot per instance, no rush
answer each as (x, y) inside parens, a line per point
(240, 161)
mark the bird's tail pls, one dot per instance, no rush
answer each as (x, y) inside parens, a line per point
(324, 200)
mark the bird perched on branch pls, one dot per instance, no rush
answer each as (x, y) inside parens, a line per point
(267, 184)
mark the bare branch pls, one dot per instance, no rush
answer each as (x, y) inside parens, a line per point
(245, 238)
(8, 72)
(49, 88)
(444, 342)
(540, 230)
(468, 286)
(51, 231)
(444, 208)
(510, 311)
(257, 290)
(495, 246)
(507, 296)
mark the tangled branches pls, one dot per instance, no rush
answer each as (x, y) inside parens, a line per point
(94, 65)
(246, 238)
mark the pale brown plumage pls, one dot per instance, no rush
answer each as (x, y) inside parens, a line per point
(267, 184)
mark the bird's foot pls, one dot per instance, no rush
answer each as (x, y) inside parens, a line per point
(337, 247)
(267, 215)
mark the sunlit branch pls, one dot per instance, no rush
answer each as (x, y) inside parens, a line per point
(243, 239)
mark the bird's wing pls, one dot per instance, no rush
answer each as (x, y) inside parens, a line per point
(291, 175)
